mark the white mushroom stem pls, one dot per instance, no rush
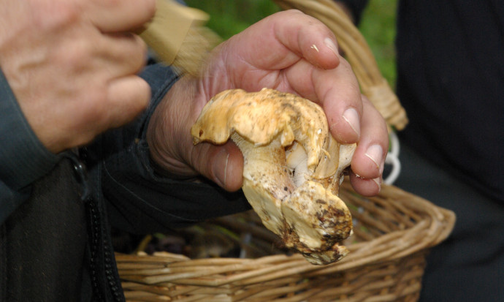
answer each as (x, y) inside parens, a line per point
(301, 211)
(265, 174)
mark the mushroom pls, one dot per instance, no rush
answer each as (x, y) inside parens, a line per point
(292, 166)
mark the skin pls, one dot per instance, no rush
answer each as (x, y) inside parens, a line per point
(72, 65)
(277, 52)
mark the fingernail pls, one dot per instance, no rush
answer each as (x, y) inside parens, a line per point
(378, 183)
(375, 153)
(330, 44)
(219, 168)
(352, 118)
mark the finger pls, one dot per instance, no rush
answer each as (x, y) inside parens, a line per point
(336, 90)
(171, 144)
(221, 164)
(369, 157)
(127, 98)
(342, 103)
(309, 38)
(280, 40)
(366, 186)
(123, 54)
(118, 16)
(104, 58)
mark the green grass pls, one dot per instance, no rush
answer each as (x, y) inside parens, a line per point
(378, 27)
(228, 17)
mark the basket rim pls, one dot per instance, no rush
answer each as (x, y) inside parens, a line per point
(435, 226)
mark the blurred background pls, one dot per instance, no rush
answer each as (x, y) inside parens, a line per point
(378, 24)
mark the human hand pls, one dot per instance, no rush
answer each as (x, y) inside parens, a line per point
(72, 63)
(290, 52)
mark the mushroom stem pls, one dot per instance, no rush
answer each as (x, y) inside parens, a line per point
(306, 216)
(265, 173)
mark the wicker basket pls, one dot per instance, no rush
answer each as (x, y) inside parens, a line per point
(392, 234)
(393, 231)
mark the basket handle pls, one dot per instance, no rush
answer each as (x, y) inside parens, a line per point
(358, 53)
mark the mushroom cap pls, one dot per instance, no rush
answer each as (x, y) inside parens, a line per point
(292, 166)
(260, 117)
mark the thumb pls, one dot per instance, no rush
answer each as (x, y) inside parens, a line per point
(222, 164)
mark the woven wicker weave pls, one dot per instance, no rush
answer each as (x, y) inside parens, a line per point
(392, 234)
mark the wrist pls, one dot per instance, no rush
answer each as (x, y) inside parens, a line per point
(23, 158)
(168, 132)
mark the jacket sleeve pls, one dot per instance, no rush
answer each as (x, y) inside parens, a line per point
(139, 199)
(23, 158)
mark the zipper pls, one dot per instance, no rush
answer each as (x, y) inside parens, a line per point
(101, 272)
(93, 220)
(100, 244)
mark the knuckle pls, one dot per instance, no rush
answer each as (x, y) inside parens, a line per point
(150, 6)
(293, 12)
(145, 96)
(93, 106)
(110, 4)
(54, 16)
(138, 53)
(76, 54)
(147, 7)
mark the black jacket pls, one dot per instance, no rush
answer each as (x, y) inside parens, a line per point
(56, 210)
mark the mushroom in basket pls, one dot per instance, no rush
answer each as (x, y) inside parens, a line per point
(292, 166)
